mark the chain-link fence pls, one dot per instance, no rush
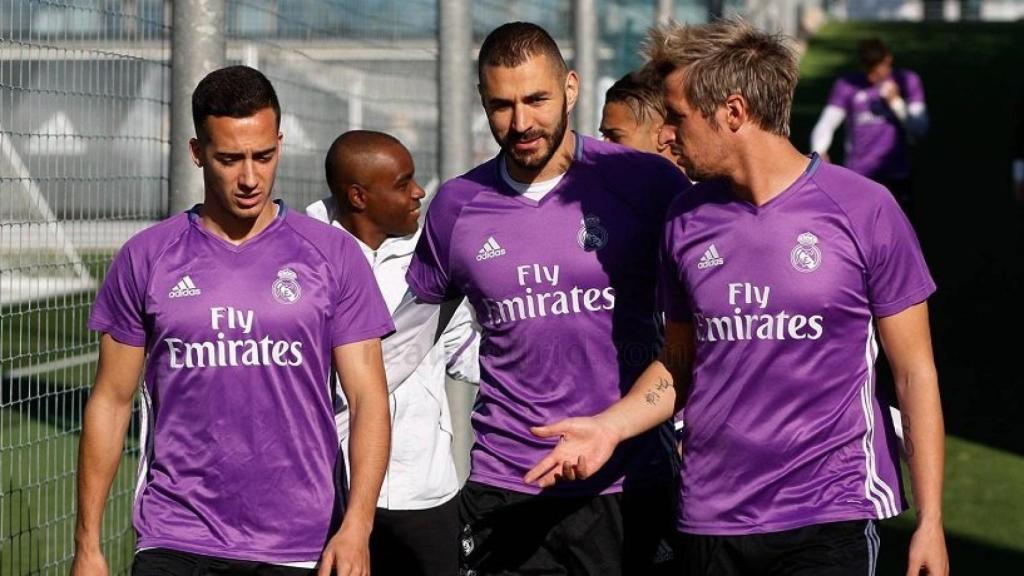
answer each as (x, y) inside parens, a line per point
(85, 106)
(83, 151)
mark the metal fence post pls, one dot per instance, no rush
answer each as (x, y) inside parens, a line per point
(455, 141)
(454, 38)
(197, 48)
(585, 60)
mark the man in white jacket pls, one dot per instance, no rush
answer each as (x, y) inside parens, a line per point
(375, 197)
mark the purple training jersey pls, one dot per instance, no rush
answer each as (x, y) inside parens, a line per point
(876, 145)
(238, 421)
(783, 427)
(564, 289)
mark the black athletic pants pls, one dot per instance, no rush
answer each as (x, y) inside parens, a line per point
(625, 534)
(833, 549)
(165, 562)
(416, 542)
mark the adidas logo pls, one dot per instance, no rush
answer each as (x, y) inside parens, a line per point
(490, 250)
(184, 288)
(710, 258)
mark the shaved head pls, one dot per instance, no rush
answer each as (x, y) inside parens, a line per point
(372, 178)
(353, 157)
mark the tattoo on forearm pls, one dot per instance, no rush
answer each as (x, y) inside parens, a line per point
(653, 395)
(908, 444)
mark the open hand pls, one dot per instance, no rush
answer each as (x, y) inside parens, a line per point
(585, 444)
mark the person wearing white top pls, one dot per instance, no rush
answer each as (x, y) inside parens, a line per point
(375, 197)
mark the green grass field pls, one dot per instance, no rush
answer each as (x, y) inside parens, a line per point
(37, 512)
(40, 420)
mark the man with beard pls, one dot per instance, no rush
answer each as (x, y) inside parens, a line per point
(776, 272)
(554, 244)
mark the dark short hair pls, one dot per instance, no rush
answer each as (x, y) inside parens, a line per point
(233, 92)
(348, 152)
(640, 91)
(871, 52)
(512, 44)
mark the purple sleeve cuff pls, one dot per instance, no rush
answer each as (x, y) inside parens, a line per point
(915, 297)
(342, 337)
(116, 332)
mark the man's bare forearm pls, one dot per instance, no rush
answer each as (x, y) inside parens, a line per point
(648, 403)
(107, 415)
(660, 390)
(924, 439)
(103, 429)
(369, 448)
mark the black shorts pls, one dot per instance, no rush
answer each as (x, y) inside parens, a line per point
(416, 542)
(834, 549)
(165, 562)
(506, 532)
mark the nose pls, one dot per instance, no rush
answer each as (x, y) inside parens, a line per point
(417, 191)
(520, 118)
(247, 178)
(666, 135)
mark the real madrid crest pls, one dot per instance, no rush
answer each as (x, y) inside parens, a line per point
(591, 235)
(286, 288)
(806, 257)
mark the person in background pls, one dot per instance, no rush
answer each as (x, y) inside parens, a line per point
(376, 199)
(884, 113)
(634, 114)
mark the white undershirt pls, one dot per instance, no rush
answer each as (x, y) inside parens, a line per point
(532, 190)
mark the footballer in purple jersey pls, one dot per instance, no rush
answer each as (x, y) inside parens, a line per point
(563, 289)
(235, 312)
(554, 244)
(876, 139)
(781, 298)
(777, 273)
(884, 111)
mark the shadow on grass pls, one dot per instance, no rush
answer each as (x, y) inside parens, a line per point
(965, 556)
(58, 404)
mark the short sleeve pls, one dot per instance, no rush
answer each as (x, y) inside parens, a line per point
(119, 309)
(840, 94)
(898, 276)
(429, 275)
(360, 312)
(672, 297)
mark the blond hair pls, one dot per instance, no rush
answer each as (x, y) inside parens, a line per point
(729, 57)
